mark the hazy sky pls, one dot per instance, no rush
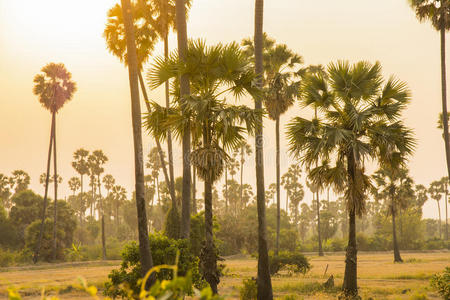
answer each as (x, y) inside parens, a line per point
(34, 33)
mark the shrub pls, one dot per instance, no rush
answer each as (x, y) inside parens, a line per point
(164, 251)
(441, 282)
(298, 262)
(172, 225)
(249, 290)
(6, 258)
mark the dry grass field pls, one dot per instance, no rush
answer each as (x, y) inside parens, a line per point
(379, 277)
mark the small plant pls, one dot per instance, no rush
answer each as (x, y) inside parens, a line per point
(293, 262)
(249, 290)
(74, 253)
(441, 282)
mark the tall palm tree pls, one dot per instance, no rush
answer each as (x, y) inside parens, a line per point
(74, 184)
(96, 161)
(438, 13)
(359, 118)
(145, 38)
(435, 191)
(81, 166)
(160, 14)
(314, 188)
(54, 88)
(264, 283)
(133, 70)
(119, 196)
(20, 180)
(280, 89)
(184, 92)
(391, 181)
(214, 72)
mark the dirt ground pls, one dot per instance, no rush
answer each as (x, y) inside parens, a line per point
(378, 277)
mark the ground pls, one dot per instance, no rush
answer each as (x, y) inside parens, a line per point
(378, 276)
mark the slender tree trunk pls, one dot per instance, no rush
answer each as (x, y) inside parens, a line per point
(157, 189)
(446, 213)
(440, 222)
(242, 177)
(444, 92)
(277, 134)
(55, 209)
(117, 217)
(194, 192)
(226, 187)
(186, 142)
(397, 257)
(144, 244)
(102, 214)
(287, 203)
(263, 280)
(158, 144)
(81, 201)
(319, 236)
(44, 207)
(350, 286)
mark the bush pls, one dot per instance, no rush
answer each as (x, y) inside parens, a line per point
(249, 290)
(441, 282)
(172, 225)
(6, 258)
(164, 251)
(296, 261)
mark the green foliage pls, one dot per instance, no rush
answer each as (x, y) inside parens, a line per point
(172, 225)
(296, 262)
(164, 251)
(249, 290)
(441, 282)
(197, 234)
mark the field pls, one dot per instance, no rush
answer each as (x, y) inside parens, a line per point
(379, 277)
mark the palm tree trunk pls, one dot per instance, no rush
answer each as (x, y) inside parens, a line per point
(242, 177)
(169, 134)
(277, 134)
(397, 257)
(350, 286)
(446, 213)
(44, 207)
(102, 213)
(81, 199)
(440, 222)
(144, 244)
(263, 279)
(186, 143)
(287, 203)
(158, 145)
(55, 179)
(226, 187)
(444, 92)
(194, 192)
(319, 237)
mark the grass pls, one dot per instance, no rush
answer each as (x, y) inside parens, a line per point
(378, 277)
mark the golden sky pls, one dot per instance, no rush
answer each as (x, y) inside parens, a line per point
(34, 33)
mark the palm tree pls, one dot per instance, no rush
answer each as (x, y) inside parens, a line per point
(161, 16)
(264, 283)
(74, 184)
(444, 189)
(435, 191)
(96, 161)
(5, 191)
(133, 70)
(20, 180)
(109, 182)
(391, 181)
(81, 166)
(184, 92)
(314, 188)
(54, 88)
(145, 40)
(438, 13)
(119, 196)
(214, 71)
(359, 119)
(280, 90)
(244, 150)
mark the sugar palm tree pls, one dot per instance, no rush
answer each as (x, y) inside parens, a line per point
(444, 189)
(161, 16)
(54, 88)
(264, 289)
(81, 166)
(358, 119)
(133, 71)
(74, 184)
(435, 191)
(214, 72)
(391, 181)
(119, 196)
(280, 89)
(20, 180)
(244, 150)
(96, 161)
(438, 13)
(146, 38)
